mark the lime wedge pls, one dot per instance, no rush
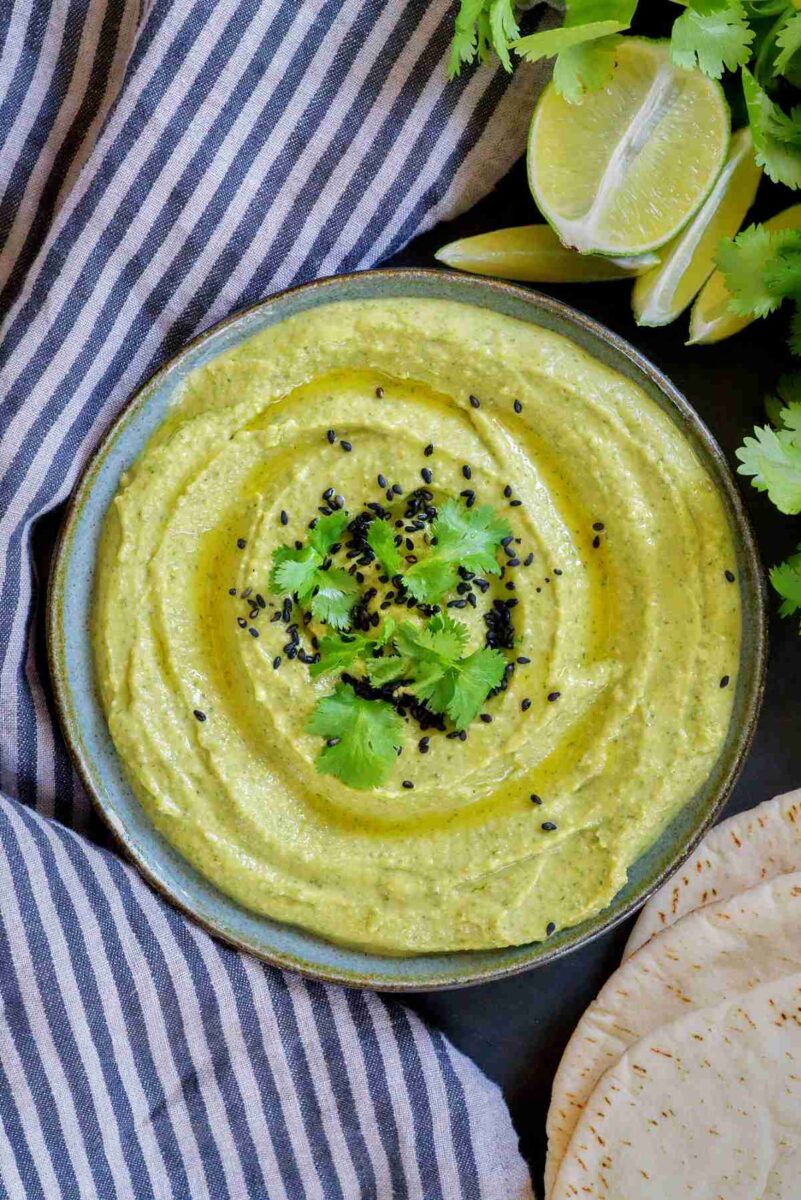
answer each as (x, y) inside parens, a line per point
(624, 172)
(711, 319)
(661, 294)
(534, 254)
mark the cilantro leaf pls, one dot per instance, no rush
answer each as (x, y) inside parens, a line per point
(789, 40)
(334, 598)
(479, 674)
(773, 459)
(713, 35)
(743, 260)
(448, 682)
(328, 531)
(776, 135)
(503, 29)
(429, 579)
(362, 737)
(294, 571)
(386, 670)
(784, 406)
(585, 68)
(381, 540)
(782, 271)
(482, 25)
(337, 651)
(470, 536)
(786, 579)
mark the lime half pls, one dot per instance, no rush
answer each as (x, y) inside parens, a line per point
(624, 172)
(711, 319)
(662, 294)
(534, 254)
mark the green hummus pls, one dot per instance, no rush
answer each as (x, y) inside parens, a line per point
(627, 622)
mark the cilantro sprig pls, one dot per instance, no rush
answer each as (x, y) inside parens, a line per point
(461, 537)
(362, 737)
(447, 679)
(330, 592)
(786, 580)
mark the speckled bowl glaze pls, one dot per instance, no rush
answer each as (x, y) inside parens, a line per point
(69, 616)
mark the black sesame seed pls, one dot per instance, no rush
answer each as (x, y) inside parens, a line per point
(507, 491)
(241, 543)
(528, 560)
(407, 783)
(423, 744)
(200, 715)
(346, 446)
(548, 826)
(333, 741)
(725, 681)
(241, 622)
(475, 402)
(515, 503)
(429, 450)
(486, 718)
(328, 494)
(232, 591)
(262, 603)
(379, 391)
(426, 474)
(535, 799)
(397, 489)
(298, 544)
(525, 704)
(382, 483)
(513, 562)
(553, 696)
(599, 526)
(276, 662)
(284, 517)
(730, 576)
(331, 435)
(253, 632)
(557, 571)
(596, 541)
(466, 471)
(550, 928)
(471, 600)
(254, 612)
(521, 658)
(518, 407)
(457, 604)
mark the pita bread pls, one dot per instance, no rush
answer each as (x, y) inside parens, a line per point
(706, 1108)
(741, 852)
(710, 955)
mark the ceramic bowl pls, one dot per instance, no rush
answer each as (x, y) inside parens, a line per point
(84, 725)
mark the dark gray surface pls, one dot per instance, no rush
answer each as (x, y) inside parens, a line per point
(516, 1029)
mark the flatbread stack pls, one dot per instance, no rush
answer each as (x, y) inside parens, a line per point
(682, 1080)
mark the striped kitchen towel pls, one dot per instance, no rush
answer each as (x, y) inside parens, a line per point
(163, 162)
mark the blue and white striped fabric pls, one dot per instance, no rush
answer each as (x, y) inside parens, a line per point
(163, 162)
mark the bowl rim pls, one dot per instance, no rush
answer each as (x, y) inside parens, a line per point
(69, 722)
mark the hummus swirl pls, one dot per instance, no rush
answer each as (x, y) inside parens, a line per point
(627, 623)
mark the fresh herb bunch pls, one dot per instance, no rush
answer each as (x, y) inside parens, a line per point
(388, 669)
(759, 38)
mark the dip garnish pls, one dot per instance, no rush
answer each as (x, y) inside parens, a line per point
(362, 737)
(459, 537)
(331, 593)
